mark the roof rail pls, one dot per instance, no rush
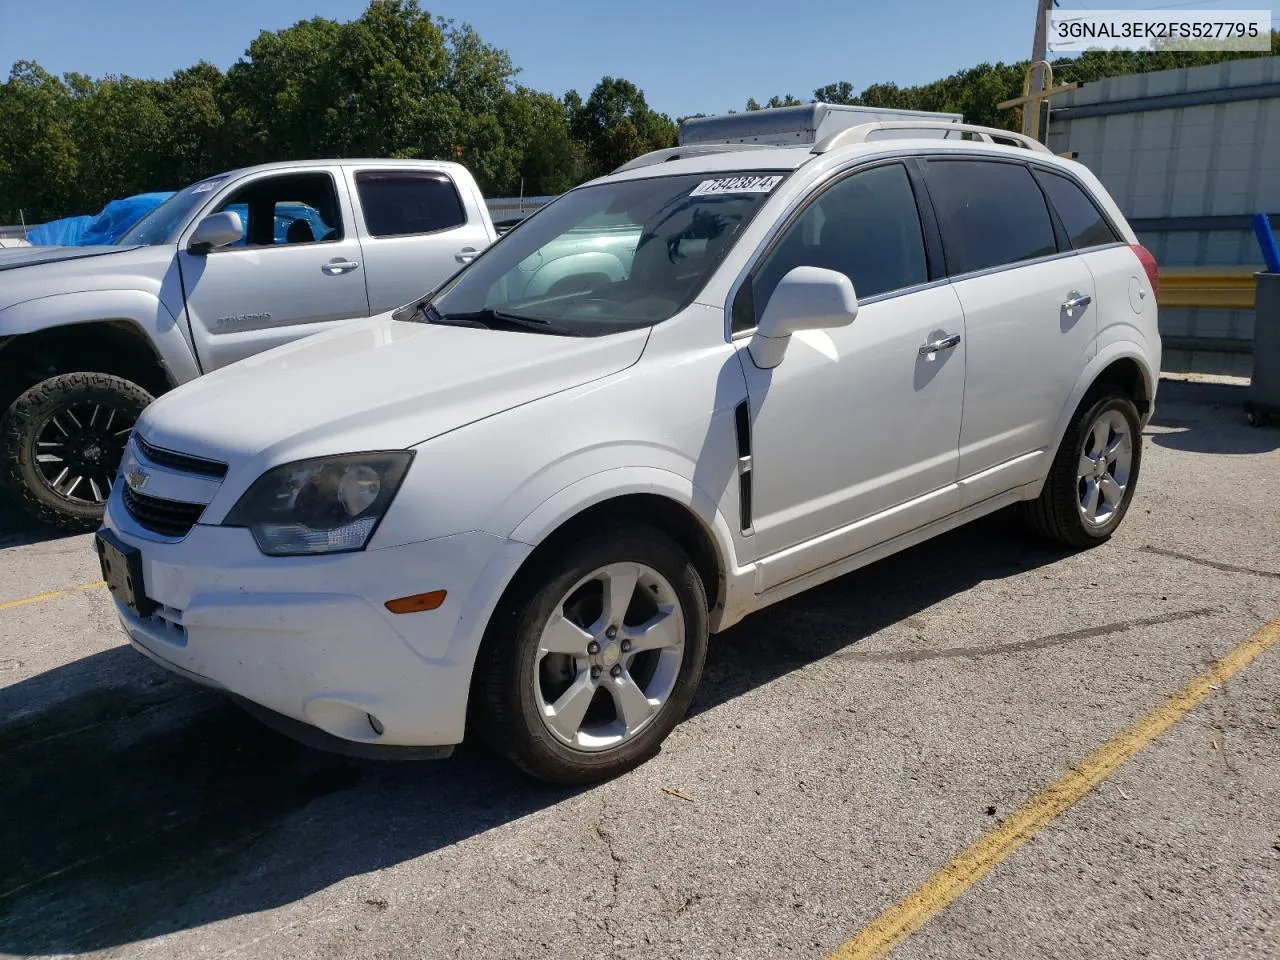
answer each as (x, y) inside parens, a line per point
(690, 150)
(863, 131)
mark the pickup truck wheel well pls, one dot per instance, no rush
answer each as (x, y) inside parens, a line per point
(641, 509)
(115, 347)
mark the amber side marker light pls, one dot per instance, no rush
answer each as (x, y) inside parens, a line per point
(417, 603)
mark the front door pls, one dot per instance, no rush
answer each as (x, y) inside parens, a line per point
(854, 435)
(296, 271)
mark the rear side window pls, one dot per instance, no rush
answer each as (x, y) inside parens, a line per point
(399, 203)
(1086, 226)
(991, 214)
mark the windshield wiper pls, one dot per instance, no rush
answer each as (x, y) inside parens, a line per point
(497, 320)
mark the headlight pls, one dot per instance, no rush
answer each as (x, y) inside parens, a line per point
(326, 505)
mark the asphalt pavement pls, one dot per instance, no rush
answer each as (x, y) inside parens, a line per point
(845, 747)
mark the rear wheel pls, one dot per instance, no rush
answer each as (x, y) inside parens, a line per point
(1093, 476)
(61, 443)
(589, 667)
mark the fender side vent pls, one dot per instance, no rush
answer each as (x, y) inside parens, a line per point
(742, 425)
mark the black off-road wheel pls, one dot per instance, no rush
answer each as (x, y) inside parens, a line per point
(61, 443)
(1094, 474)
(589, 663)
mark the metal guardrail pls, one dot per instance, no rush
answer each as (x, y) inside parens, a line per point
(1224, 288)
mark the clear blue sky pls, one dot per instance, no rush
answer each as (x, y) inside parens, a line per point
(689, 56)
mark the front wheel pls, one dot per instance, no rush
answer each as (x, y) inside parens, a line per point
(589, 667)
(61, 443)
(1093, 476)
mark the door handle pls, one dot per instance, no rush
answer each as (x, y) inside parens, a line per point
(946, 343)
(465, 255)
(1075, 301)
(338, 266)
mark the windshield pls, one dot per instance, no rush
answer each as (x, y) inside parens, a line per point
(158, 225)
(610, 257)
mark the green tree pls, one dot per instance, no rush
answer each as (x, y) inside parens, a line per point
(787, 101)
(536, 129)
(39, 162)
(616, 125)
(841, 92)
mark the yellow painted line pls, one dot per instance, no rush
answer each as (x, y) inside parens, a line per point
(51, 595)
(908, 915)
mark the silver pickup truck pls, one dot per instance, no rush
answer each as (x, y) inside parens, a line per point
(228, 267)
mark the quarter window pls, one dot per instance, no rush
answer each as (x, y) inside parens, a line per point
(1085, 224)
(866, 226)
(400, 203)
(991, 214)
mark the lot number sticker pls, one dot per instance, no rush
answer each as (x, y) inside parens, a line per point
(736, 185)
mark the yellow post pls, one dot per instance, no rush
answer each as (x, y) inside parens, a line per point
(1030, 100)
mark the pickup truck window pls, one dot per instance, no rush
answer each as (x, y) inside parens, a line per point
(612, 256)
(160, 225)
(289, 209)
(401, 203)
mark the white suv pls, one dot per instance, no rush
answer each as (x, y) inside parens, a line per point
(521, 507)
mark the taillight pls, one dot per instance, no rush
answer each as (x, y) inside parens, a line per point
(1149, 265)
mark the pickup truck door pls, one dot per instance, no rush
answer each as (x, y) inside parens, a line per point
(417, 227)
(296, 270)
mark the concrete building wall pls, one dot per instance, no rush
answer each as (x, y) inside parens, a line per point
(1189, 155)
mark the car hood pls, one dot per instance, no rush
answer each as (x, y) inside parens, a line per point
(373, 384)
(11, 257)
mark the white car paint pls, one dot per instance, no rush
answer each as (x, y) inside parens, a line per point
(861, 444)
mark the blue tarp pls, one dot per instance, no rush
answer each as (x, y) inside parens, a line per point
(105, 228)
(119, 215)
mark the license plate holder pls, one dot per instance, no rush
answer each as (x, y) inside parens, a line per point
(122, 570)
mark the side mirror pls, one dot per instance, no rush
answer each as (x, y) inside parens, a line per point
(807, 298)
(216, 230)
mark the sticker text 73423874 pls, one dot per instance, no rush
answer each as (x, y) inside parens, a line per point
(736, 185)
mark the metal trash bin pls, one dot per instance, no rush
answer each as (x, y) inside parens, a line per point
(1263, 400)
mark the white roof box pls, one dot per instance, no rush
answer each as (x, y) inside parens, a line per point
(796, 126)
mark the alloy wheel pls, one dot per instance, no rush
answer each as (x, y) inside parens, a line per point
(1106, 463)
(609, 656)
(79, 448)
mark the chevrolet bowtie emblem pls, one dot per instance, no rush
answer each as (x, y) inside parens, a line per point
(136, 477)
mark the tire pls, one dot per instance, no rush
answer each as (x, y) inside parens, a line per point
(1061, 512)
(516, 680)
(56, 418)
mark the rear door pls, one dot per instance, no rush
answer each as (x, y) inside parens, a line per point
(295, 271)
(1029, 316)
(416, 231)
(1118, 278)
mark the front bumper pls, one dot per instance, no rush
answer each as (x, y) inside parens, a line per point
(309, 638)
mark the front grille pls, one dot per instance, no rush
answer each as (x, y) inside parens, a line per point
(170, 518)
(182, 461)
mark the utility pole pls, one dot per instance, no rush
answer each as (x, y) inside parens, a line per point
(1039, 49)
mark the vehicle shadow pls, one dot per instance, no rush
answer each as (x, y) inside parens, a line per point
(1200, 417)
(18, 530)
(134, 804)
